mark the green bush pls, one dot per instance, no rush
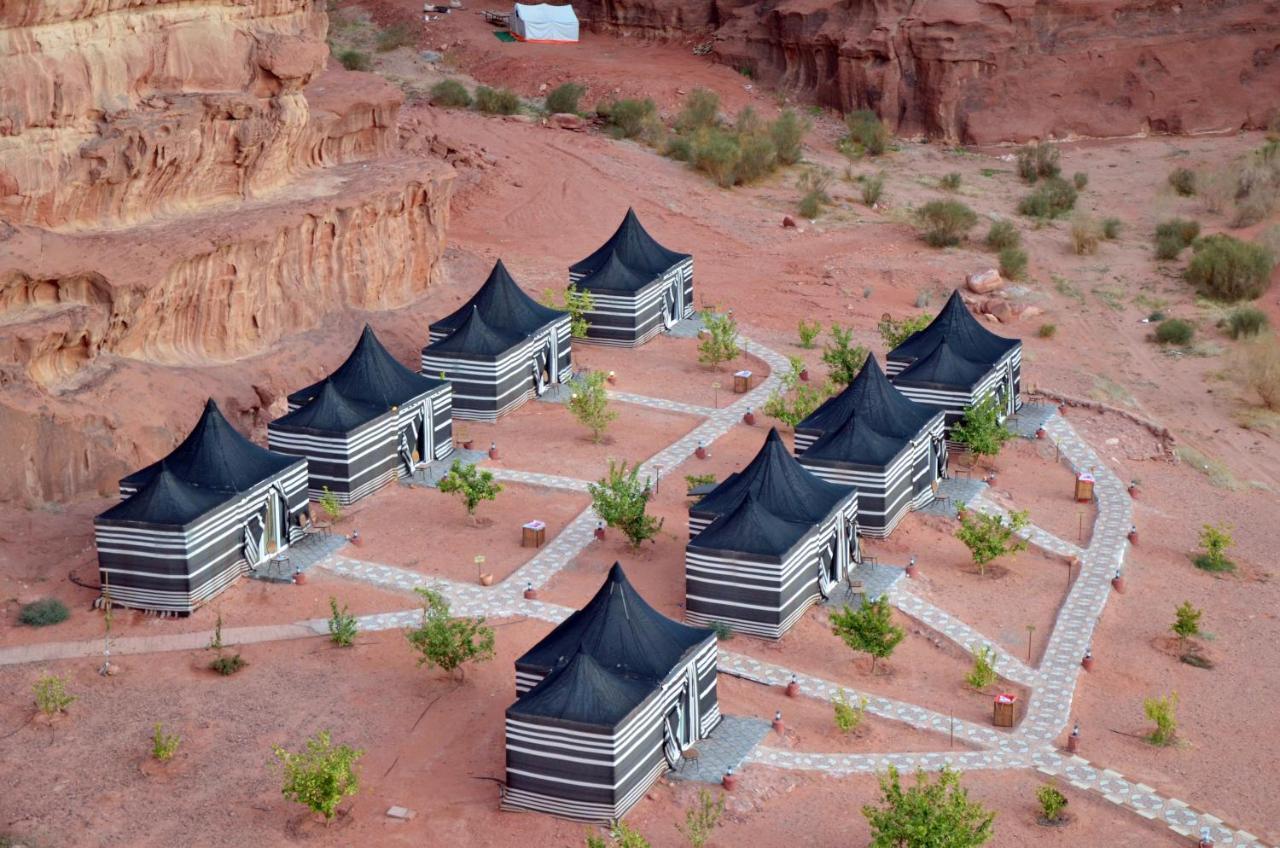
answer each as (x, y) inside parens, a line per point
(1051, 802)
(227, 665)
(716, 154)
(629, 118)
(872, 188)
(810, 205)
(1228, 269)
(51, 694)
(983, 673)
(1085, 235)
(848, 713)
(1246, 321)
(679, 147)
(1038, 160)
(951, 181)
(701, 111)
(945, 222)
(1164, 712)
(354, 60)
(43, 612)
(757, 157)
(394, 36)
(163, 745)
(788, 131)
(1047, 331)
(1182, 229)
(1051, 199)
(1013, 263)
(813, 183)
(1175, 331)
(564, 98)
(927, 815)
(1003, 234)
(497, 101)
(450, 94)
(867, 131)
(1168, 246)
(1183, 181)
(320, 775)
(1111, 228)
(1080, 180)
(343, 626)
(1215, 541)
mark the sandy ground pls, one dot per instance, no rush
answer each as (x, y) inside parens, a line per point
(669, 368)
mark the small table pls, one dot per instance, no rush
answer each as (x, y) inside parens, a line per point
(533, 534)
(741, 382)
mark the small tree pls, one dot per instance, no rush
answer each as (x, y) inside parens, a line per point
(471, 484)
(988, 536)
(869, 629)
(808, 331)
(895, 331)
(51, 694)
(620, 836)
(330, 504)
(795, 400)
(448, 642)
(577, 302)
(1215, 541)
(1164, 712)
(589, 403)
(1186, 622)
(320, 775)
(983, 673)
(720, 341)
(620, 500)
(164, 745)
(981, 430)
(702, 818)
(843, 358)
(1051, 801)
(342, 625)
(928, 815)
(849, 715)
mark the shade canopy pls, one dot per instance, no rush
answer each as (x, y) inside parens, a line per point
(371, 375)
(634, 248)
(330, 412)
(751, 529)
(503, 305)
(214, 455)
(956, 326)
(165, 500)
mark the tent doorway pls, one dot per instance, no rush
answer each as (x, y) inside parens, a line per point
(271, 542)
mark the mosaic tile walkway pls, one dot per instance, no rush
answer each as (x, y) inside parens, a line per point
(728, 746)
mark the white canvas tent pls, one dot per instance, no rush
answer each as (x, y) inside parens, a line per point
(543, 22)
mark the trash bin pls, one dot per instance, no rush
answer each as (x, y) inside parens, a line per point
(1004, 710)
(1084, 486)
(741, 382)
(534, 534)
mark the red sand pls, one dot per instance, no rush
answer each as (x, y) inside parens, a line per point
(668, 368)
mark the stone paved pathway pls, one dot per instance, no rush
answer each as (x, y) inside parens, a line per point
(728, 746)
(663, 403)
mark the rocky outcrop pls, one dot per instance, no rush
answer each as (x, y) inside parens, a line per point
(980, 71)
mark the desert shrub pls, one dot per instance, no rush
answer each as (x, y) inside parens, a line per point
(395, 36)
(51, 694)
(716, 153)
(679, 147)
(951, 181)
(496, 101)
(1111, 228)
(868, 629)
(788, 131)
(1164, 712)
(723, 632)
(842, 357)
(1175, 331)
(1246, 321)
(1215, 541)
(43, 612)
(983, 673)
(1168, 247)
(589, 404)
(1047, 331)
(701, 111)
(354, 60)
(1085, 235)
(702, 818)
(848, 714)
(757, 157)
(895, 331)
(1053, 198)
(1080, 180)
(330, 504)
(631, 118)
(1183, 181)
(813, 183)
(945, 222)
(320, 775)
(808, 331)
(471, 484)
(1186, 621)
(164, 745)
(1228, 269)
(867, 132)
(1038, 160)
(872, 188)
(1258, 369)
(1184, 230)
(447, 641)
(450, 94)
(342, 624)
(1251, 210)
(719, 342)
(228, 664)
(927, 815)
(989, 536)
(1003, 234)
(1051, 801)
(564, 98)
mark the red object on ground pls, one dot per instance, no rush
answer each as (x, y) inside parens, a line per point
(729, 781)
(793, 689)
(530, 594)
(749, 418)
(1117, 583)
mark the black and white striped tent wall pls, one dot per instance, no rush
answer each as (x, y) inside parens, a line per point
(194, 522)
(592, 729)
(756, 572)
(638, 287)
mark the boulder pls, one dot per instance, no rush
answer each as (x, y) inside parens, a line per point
(788, 221)
(567, 121)
(984, 282)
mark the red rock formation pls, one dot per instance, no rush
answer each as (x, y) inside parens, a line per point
(980, 71)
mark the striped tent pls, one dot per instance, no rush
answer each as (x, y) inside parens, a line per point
(956, 362)
(873, 437)
(368, 422)
(638, 287)
(606, 703)
(764, 592)
(499, 349)
(193, 522)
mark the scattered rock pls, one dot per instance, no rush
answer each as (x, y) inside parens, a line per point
(788, 221)
(984, 282)
(1030, 312)
(542, 88)
(402, 813)
(567, 121)
(518, 119)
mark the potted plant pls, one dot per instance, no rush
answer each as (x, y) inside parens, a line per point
(485, 578)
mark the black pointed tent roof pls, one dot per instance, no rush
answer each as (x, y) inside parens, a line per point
(214, 455)
(620, 631)
(371, 375)
(875, 402)
(614, 275)
(956, 326)
(634, 247)
(856, 442)
(585, 692)
(476, 337)
(943, 367)
(330, 412)
(751, 529)
(503, 304)
(165, 500)
(779, 482)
